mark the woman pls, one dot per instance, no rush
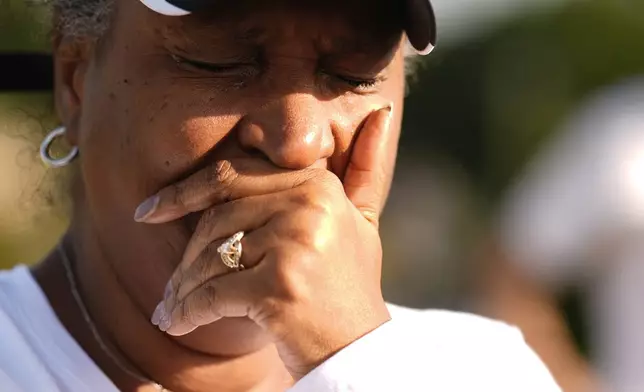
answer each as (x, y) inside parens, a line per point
(238, 157)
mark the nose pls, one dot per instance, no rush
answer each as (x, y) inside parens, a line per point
(293, 131)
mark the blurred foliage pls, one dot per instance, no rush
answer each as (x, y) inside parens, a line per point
(30, 224)
(24, 25)
(490, 103)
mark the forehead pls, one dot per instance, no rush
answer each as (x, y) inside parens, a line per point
(344, 25)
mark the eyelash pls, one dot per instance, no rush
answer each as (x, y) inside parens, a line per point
(360, 85)
(216, 68)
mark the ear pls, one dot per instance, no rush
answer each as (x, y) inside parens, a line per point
(71, 59)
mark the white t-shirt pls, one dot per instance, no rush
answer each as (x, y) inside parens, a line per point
(577, 218)
(433, 351)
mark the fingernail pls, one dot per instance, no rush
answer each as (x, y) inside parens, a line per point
(146, 209)
(165, 322)
(158, 313)
(390, 108)
(181, 329)
(390, 113)
(168, 291)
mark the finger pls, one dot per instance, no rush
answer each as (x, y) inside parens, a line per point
(365, 180)
(208, 264)
(224, 220)
(215, 184)
(202, 260)
(232, 295)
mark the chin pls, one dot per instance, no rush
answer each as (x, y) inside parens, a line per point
(227, 337)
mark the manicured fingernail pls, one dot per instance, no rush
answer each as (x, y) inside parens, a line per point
(390, 110)
(158, 313)
(165, 322)
(181, 329)
(146, 209)
(390, 115)
(168, 291)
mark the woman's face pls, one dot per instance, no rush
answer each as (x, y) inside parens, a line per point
(161, 97)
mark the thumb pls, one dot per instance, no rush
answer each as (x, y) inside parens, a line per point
(365, 180)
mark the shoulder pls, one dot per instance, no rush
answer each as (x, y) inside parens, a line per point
(455, 331)
(469, 350)
(444, 317)
(38, 354)
(20, 367)
(434, 350)
(446, 324)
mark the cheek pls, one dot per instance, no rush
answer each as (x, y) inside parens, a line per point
(137, 137)
(351, 112)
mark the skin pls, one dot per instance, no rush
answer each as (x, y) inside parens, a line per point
(283, 145)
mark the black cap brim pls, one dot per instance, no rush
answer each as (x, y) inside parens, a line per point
(420, 20)
(420, 25)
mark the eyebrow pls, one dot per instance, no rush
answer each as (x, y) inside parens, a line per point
(192, 31)
(215, 27)
(189, 39)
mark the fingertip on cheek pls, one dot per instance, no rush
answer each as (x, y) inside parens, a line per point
(147, 209)
(390, 115)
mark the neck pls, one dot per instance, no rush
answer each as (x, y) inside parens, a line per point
(125, 329)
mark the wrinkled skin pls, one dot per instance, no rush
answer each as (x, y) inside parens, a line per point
(295, 99)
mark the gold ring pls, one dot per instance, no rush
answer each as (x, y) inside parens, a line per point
(231, 251)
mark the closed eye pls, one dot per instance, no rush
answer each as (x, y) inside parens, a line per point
(360, 85)
(215, 68)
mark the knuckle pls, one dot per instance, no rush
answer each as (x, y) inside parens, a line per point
(290, 275)
(302, 199)
(222, 176)
(223, 172)
(315, 200)
(302, 236)
(302, 228)
(308, 229)
(179, 194)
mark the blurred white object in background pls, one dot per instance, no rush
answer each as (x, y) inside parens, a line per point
(577, 218)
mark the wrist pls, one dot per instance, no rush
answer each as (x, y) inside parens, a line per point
(323, 348)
